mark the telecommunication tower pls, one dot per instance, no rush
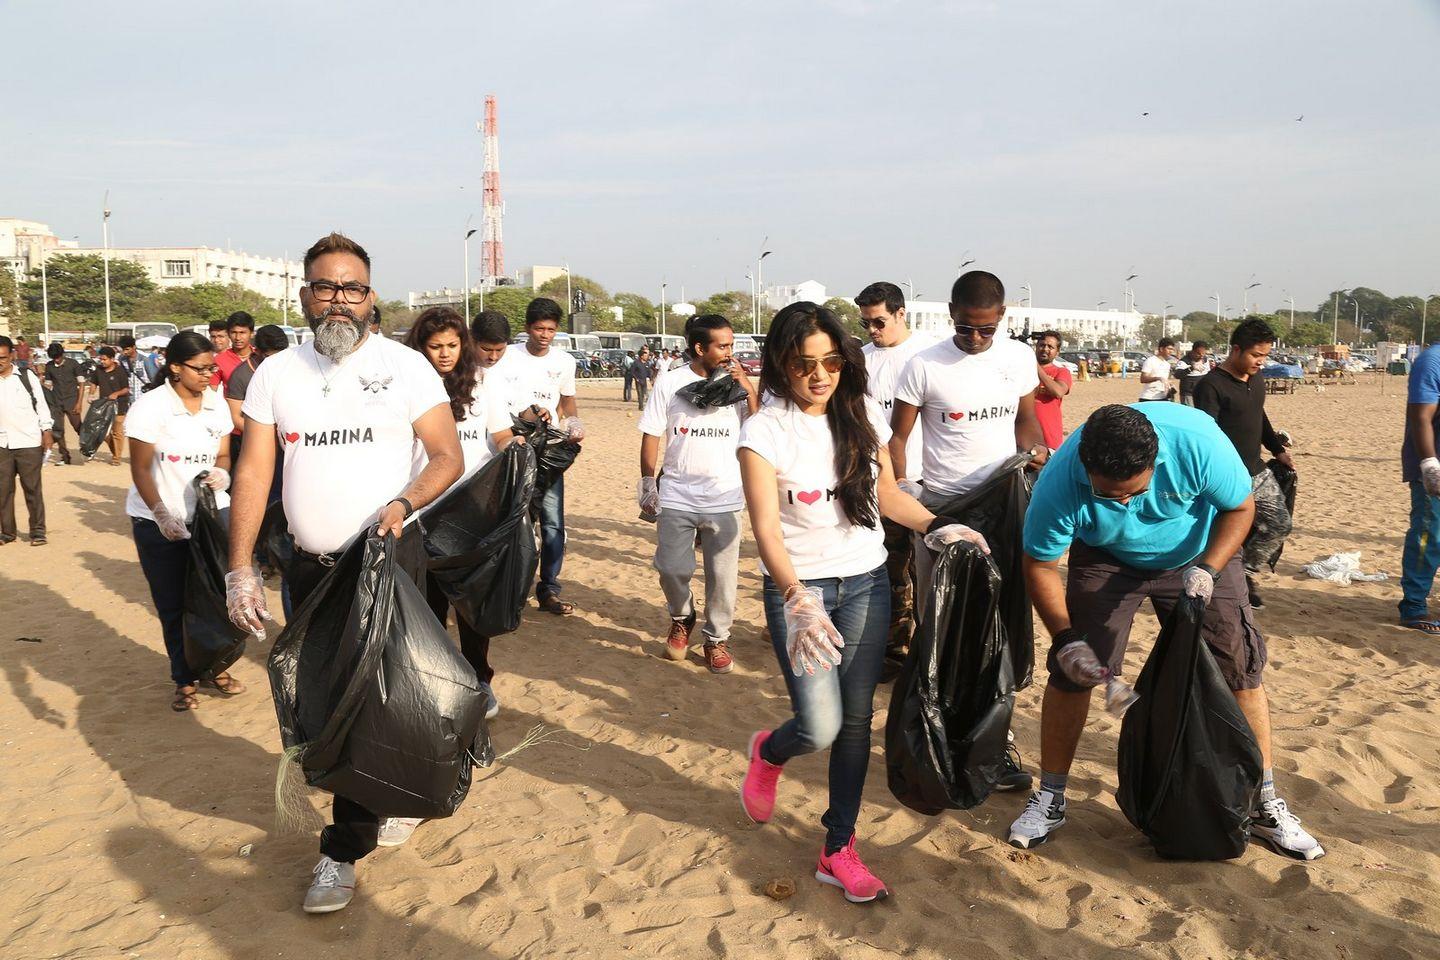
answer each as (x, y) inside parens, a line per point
(492, 246)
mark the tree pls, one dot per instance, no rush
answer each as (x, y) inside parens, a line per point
(202, 303)
(640, 315)
(734, 305)
(12, 306)
(848, 313)
(396, 315)
(77, 285)
(510, 301)
(597, 297)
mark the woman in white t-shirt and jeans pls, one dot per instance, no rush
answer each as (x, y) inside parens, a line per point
(817, 481)
(179, 429)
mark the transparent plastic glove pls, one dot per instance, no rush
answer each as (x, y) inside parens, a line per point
(574, 429)
(949, 532)
(171, 526)
(1198, 584)
(1430, 475)
(647, 495)
(217, 479)
(245, 601)
(910, 487)
(1080, 665)
(1119, 696)
(811, 639)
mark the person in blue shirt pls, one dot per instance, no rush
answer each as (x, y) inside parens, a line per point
(1151, 501)
(1421, 470)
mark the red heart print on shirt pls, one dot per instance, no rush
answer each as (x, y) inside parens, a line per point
(684, 429)
(808, 497)
(291, 437)
(958, 416)
(173, 458)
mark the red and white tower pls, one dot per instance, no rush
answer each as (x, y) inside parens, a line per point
(492, 247)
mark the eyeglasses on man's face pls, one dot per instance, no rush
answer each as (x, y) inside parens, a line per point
(328, 290)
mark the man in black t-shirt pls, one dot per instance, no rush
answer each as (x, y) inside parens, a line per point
(62, 376)
(112, 382)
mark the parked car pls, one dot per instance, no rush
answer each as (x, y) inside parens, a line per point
(749, 362)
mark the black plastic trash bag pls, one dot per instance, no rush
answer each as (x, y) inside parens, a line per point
(946, 737)
(717, 390)
(480, 539)
(371, 693)
(212, 642)
(96, 426)
(1269, 543)
(1189, 766)
(555, 452)
(996, 509)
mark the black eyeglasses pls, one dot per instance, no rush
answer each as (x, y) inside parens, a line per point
(804, 366)
(327, 290)
(984, 333)
(208, 371)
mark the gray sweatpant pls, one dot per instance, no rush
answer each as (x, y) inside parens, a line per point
(675, 561)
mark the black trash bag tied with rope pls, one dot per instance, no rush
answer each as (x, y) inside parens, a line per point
(480, 540)
(947, 733)
(212, 643)
(375, 703)
(996, 509)
(719, 389)
(1189, 767)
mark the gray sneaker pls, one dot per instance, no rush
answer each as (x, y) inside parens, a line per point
(1043, 814)
(333, 887)
(492, 705)
(396, 830)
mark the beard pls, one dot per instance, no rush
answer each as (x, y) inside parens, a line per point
(336, 339)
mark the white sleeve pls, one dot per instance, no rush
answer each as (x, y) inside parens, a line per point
(427, 390)
(141, 422)
(910, 387)
(258, 405)
(879, 421)
(758, 434)
(567, 377)
(42, 406)
(657, 407)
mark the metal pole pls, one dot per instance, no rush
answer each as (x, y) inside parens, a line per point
(569, 297)
(105, 240)
(465, 295)
(661, 329)
(285, 298)
(45, 295)
(1335, 334)
(1424, 309)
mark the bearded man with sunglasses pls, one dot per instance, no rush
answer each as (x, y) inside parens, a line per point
(347, 408)
(892, 344)
(1150, 500)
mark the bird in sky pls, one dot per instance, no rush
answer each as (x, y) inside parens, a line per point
(1145, 114)
(1299, 118)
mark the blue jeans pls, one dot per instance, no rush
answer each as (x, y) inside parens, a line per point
(552, 539)
(833, 708)
(164, 563)
(1421, 557)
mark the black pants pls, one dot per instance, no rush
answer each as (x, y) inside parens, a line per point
(164, 563)
(60, 412)
(353, 830)
(628, 381)
(473, 647)
(24, 463)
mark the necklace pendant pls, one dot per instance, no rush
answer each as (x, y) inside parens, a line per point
(326, 390)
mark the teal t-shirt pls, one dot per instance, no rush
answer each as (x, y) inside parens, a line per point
(1198, 474)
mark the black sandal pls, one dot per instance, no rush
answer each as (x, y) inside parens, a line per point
(561, 608)
(185, 698)
(225, 684)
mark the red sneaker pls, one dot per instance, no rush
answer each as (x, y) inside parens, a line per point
(843, 869)
(757, 792)
(677, 645)
(718, 659)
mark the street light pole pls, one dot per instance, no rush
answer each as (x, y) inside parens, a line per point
(1218, 316)
(105, 241)
(1335, 333)
(760, 283)
(661, 331)
(1424, 309)
(466, 295)
(1245, 299)
(569, 296)
(1292, 313)
(45, 295)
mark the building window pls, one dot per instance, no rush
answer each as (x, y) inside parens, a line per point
(177, 268)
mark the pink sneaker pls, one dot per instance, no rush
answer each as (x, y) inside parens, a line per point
(844, 870)
(757, 793)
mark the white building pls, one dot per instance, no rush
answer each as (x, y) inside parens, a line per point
(24, 243)
(169, 267)
(1078, 327)
(783, 294)
(533, 277)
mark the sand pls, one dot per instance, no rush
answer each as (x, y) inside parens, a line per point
(129, 831)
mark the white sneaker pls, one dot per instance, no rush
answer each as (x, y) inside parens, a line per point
(396, 830)
(1280, 829)
(333, 887)
(1043, 813)
(492, 706)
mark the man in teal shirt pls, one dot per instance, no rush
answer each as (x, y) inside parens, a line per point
(1151, 501)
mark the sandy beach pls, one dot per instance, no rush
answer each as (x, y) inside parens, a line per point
(127, 830)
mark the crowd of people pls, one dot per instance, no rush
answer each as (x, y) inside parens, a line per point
(843, 457)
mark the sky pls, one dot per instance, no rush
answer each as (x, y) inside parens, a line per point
(1062, 144)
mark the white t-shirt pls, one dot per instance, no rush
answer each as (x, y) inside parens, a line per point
(819, 538)
(883, 366)
(347, 432)
(528, 379)
(1155, 367)
(186, 445)
(486, 415)
(701, 472)
(968, 403)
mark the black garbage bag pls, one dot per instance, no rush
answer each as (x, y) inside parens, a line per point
(1288, 481)
(996, 509)
(1189, 767)
(480, 539)
(372, 694)
(212, 642)
(717, 390)
(96, 426)
(555, 452)
(946, 736)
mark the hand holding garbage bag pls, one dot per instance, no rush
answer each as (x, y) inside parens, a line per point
(171, 526)
(1199, 584)
(945, 531)
(811, 639)
(211, 642)
(719, 389)
(217, 479)
(1078, 661)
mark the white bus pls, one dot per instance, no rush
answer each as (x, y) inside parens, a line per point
(665, 341)
(114, 331)
(621, 341)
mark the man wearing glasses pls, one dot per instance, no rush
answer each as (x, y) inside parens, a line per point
(1151, 501)
(892, 344)
(347, 408)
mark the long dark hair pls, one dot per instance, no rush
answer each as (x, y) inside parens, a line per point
(460, 381)
(182, 348)
(856, 445)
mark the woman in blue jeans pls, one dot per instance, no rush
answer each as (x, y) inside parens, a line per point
(817, 481)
